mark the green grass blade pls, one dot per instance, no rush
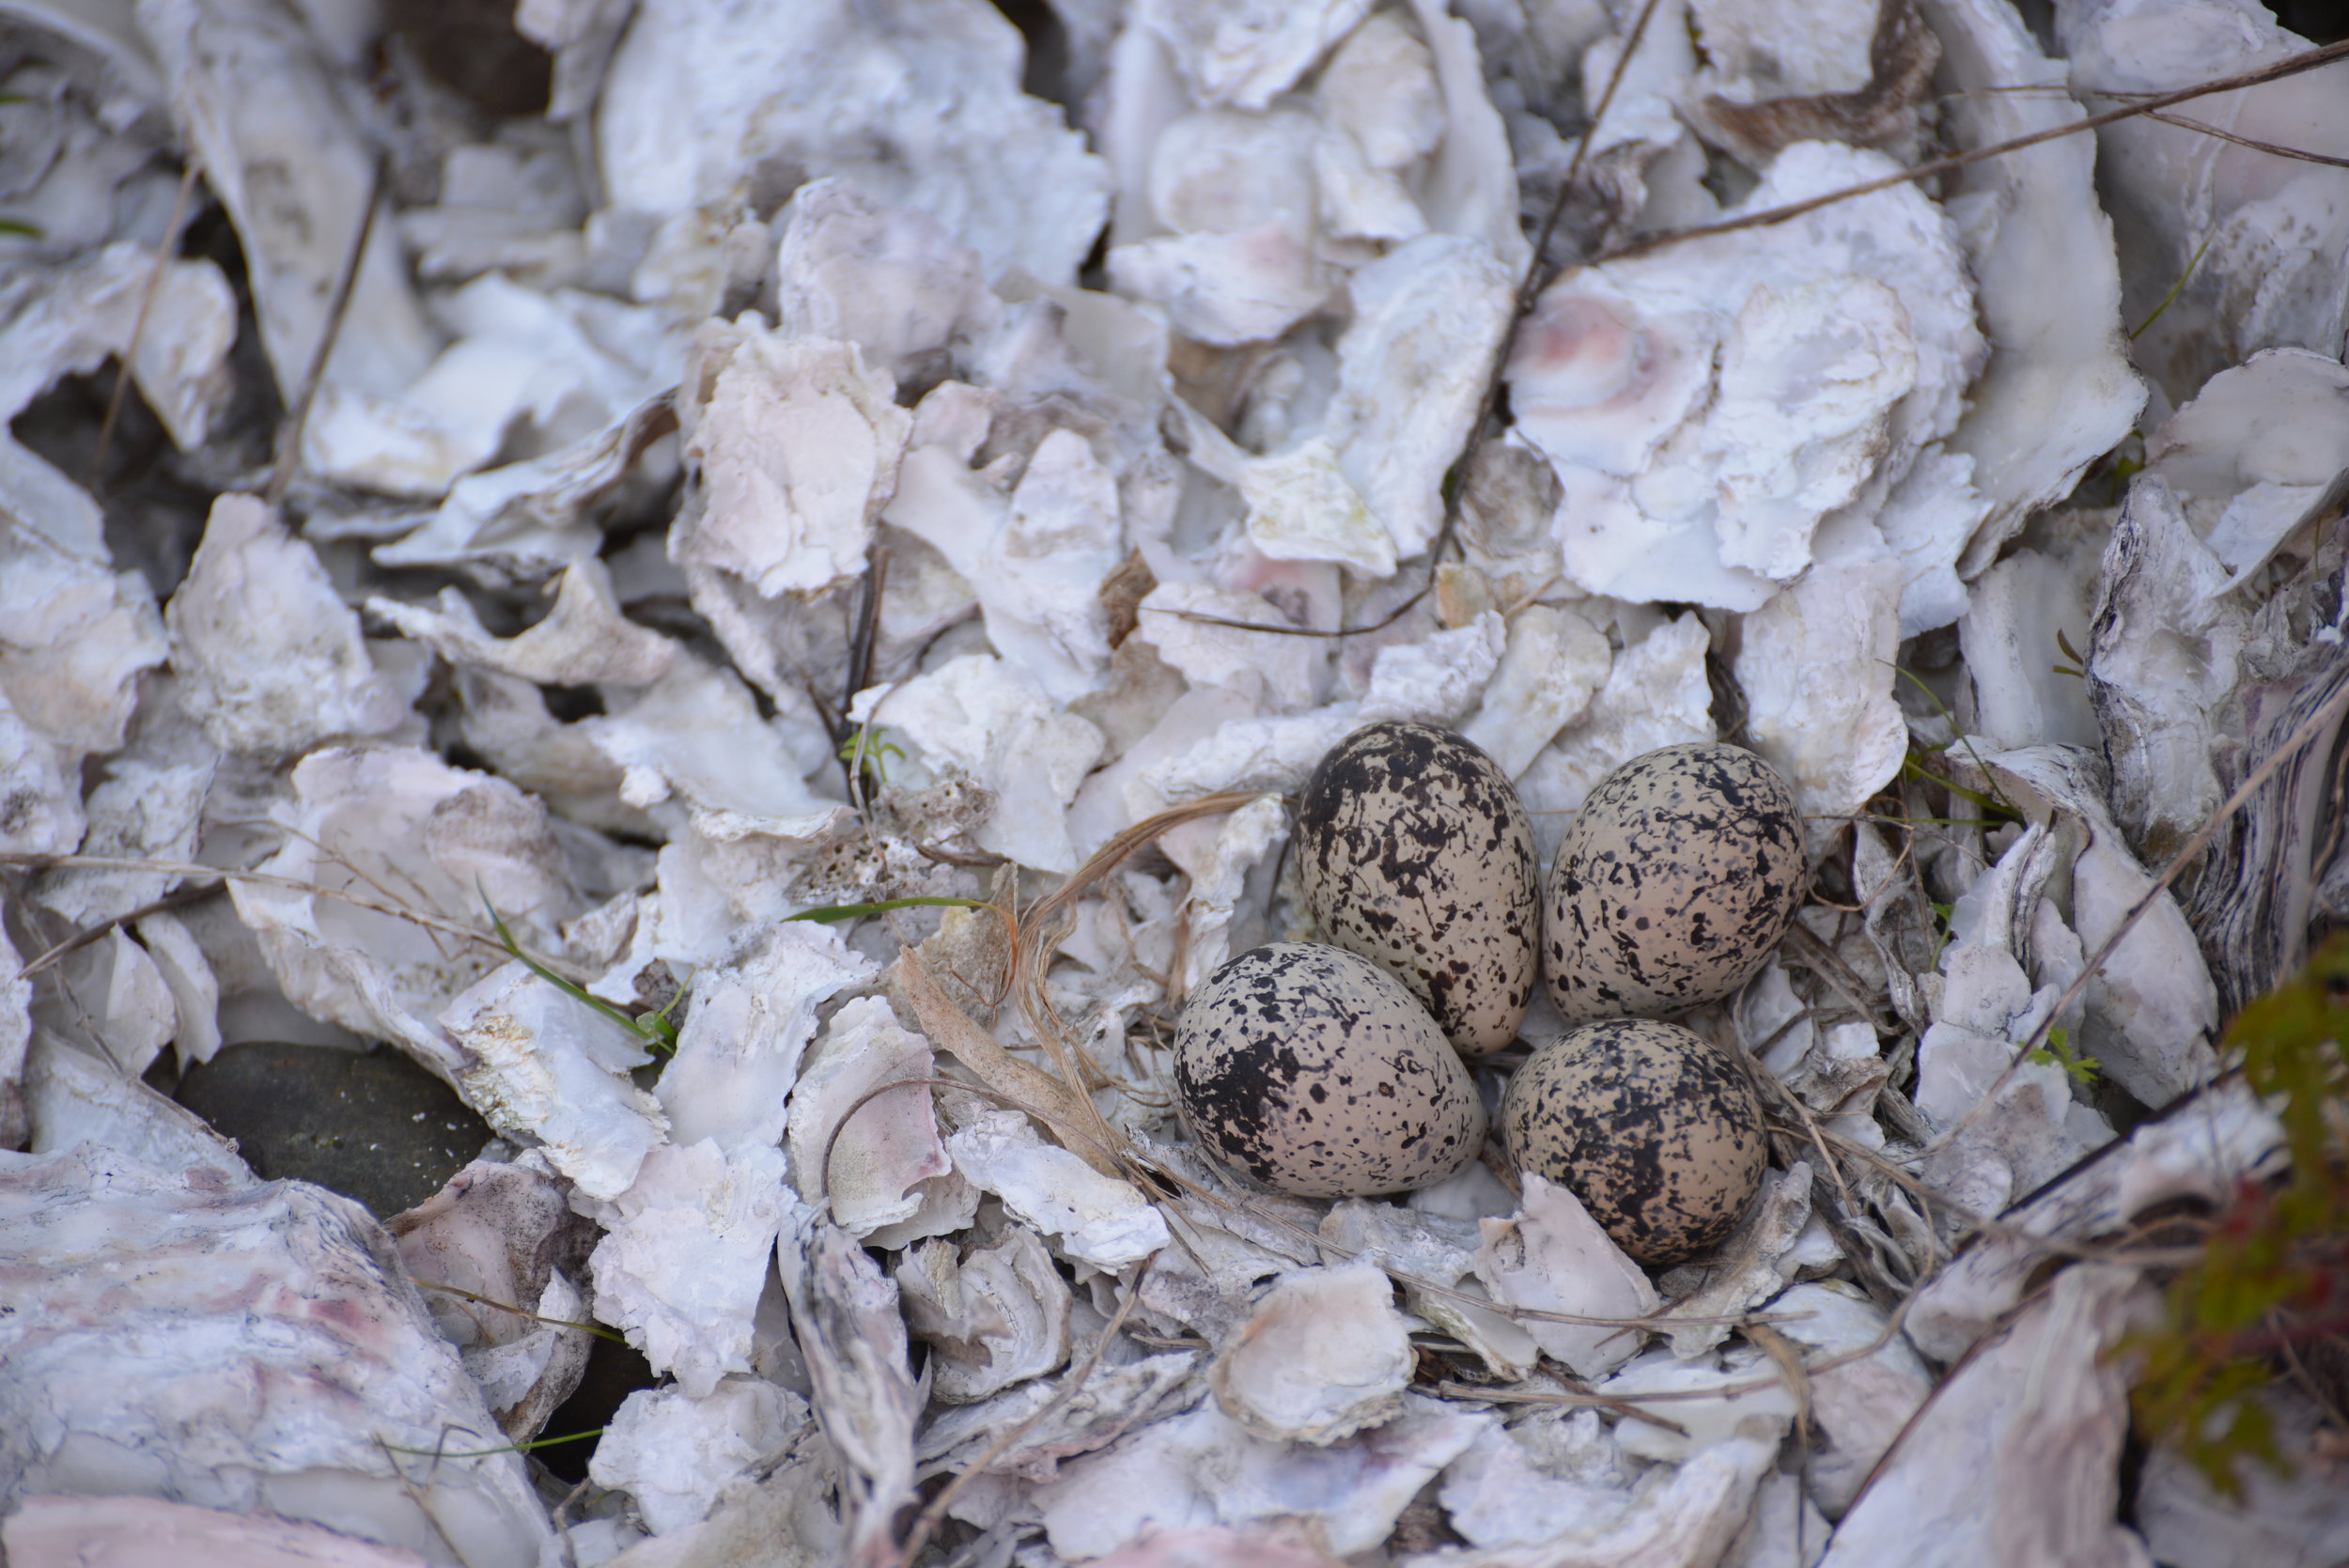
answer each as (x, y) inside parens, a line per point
(831, 912)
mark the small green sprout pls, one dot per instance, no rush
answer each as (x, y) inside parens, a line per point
(654, 1028)
(863, 753)
(2058, 1052)
(510, 1448)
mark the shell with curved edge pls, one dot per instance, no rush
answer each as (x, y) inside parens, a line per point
(1416, 854)
(1651, 1128)
(1316, 1073)
(1677, 881)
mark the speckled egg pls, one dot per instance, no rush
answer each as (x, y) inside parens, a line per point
(1656, 1131)
(1316, 1073)
(1415, 853)
(1676, 881)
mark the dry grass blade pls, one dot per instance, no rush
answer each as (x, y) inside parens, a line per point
(165, 250)
(2275, 71)
(954, 1031)
(1049, 922)
(290, 439)
(1884, 1336)
(1574, 1398)
(2297, 154)
(176, 899)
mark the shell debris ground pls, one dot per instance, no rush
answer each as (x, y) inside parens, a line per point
(655, 471)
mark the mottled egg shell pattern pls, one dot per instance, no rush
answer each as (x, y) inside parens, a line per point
(1655, 1130)
(1676, 881)
(1415, 853)
(1316, 1073)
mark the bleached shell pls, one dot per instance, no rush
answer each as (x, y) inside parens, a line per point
(271, 658)
(79, 637)
(1552, 1256)
(2197, 1152)
(1648, 1125)
(1555, 663)
(701, 91)
(1203, 1469)
(2016, 1456)
(294, 171)
(1429, 318)
(1529, 1486)
(844, 1316)
(1315, 1072)
(1438, 1249)
(2269, 229)
(282, 1285)
(1096, 1220)
(540, 1064)
(1816, 665)
(1645, 455)
(1246, 52)
(2164, 655)
(1728, 1396)
(798, 442)
(992, 719)
(55, 1097)
(1680, 874)
(1112, 1401)
(890, 280)
(673, 1453)
(1862, 1405)
(1754, 1262)
(1324, 1356)
(547, 369)
(1416, 855)
(866, 1157)
(2059, 389)
(584, 640)
(1657, 694)
(383, 818)
(754, 1014)
(993, 1317)
(686, 1253)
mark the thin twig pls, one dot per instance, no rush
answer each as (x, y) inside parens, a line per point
(2187, 854)
(165, 250)
(263, 879)
(595, 1329)
(2274, 71)
(176, 898)
(289, 440)
(2298, 154)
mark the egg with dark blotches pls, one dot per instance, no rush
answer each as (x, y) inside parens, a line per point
(1674, 884)
(1316, 1073)
(1415, 853)
(1657, 1132)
